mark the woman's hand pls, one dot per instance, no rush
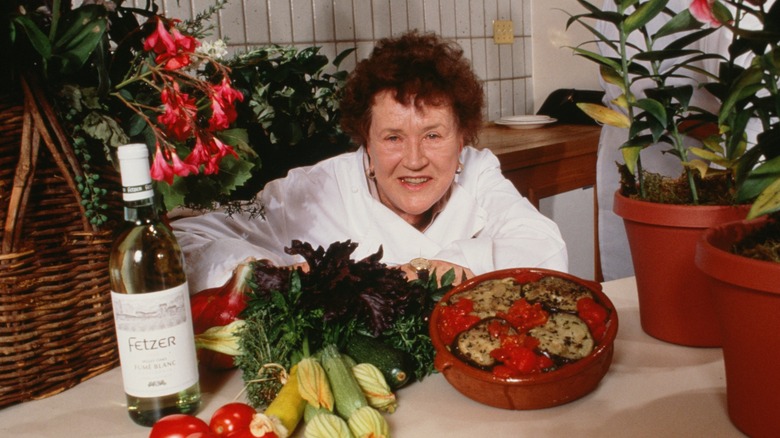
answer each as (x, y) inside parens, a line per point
(441, 267)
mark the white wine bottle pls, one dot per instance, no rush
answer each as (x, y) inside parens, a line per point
(151, 303)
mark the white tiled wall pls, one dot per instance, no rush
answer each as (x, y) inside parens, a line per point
(336, 25)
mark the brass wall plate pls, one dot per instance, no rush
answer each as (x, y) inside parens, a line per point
(503, 32)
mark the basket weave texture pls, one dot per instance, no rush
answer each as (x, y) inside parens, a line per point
(56, 323)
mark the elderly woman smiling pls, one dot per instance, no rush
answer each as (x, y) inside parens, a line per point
(413, 187)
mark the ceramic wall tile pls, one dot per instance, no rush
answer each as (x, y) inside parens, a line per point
(399, 17)
(302, 20)
(364, 28)
(257, 32)
(381, 17)
(432, 16)
(280, 22)
(447, 17)
(344, 20)
(232, 23)
(507, 97)
(415, 14)
(335, 25)
(323, 20)
(478, 26)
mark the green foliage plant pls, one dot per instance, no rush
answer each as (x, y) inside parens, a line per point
(292, 110)
(663, 117)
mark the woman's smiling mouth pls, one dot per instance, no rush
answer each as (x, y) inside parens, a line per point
(415, 180)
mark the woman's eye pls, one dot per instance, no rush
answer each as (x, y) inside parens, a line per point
(432, 136)
(393, 138)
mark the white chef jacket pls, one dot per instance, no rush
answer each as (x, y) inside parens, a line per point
(485, 224)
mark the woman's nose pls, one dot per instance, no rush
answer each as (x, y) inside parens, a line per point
(414, 155)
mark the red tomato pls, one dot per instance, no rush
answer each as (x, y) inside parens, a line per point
(594, 315)
(456, 318)
(524, 315)
(180, 426)
(232, 417)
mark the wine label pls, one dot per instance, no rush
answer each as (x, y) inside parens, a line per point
(156, 343)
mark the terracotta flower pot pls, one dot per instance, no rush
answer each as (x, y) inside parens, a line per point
(746, 293)
(674, 304)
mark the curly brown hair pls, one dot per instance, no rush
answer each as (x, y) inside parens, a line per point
(422, 67)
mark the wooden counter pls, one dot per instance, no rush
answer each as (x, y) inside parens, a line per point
(545, 161)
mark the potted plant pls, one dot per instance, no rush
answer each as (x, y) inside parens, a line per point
(653, 61)
(743, 257)
(116, 73)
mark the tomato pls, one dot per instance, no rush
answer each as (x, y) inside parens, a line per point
(180, 426)
(594, 315)
(456, 318)
(232, 417)
(524, 315)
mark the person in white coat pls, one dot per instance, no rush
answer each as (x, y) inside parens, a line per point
(413, 188)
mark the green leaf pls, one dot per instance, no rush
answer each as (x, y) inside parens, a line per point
(631, 156)
(74, 45)
(605, 115)
(767, 202)
(705, 154)
(597, 57)
(104, 129)
(681, 22)
(340, 57)
(760, 179)
(682, 41)
(746, 85)
(663, 55)
(643, 14)
(611, 76)
(35, 36)
(172, 195)
(654, 108)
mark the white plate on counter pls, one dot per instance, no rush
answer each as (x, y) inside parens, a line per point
(525, 122)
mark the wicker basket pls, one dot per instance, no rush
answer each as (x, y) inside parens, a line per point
(56, 323)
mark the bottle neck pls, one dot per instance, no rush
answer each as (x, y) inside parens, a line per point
(141, 211)
(137, 187)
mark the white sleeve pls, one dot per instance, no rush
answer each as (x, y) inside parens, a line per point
(515, 233)
(214, 243)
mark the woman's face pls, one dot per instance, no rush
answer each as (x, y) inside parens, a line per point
(414, 153)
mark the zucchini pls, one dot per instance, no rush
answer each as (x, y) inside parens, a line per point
(347, 395)
(396, 365)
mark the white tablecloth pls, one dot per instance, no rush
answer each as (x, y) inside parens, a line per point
(653, 389)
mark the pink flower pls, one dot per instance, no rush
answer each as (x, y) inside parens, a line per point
(173, 49)
(179, 114)
(161, 170)
(222, 148)
(199, 154)
(702, 12)
(160, 41)
(218, 120)
(223, 108)
(180, 167)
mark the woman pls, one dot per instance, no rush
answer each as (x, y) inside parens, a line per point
(413, 188)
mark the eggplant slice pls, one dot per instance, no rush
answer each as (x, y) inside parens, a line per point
(555, 293)
(474, 345)
(491, 296)
(564, 335)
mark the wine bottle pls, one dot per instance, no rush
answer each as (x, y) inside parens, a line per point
(151, 303)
